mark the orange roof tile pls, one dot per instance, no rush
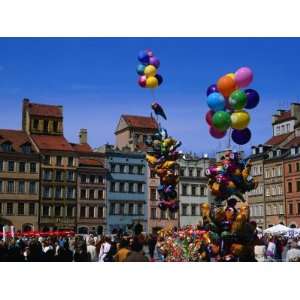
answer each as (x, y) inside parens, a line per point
(140, 122)
(278, 139)
(44, 110)
(16, 137)
(52, 142)
(294, 142)
(285, 116)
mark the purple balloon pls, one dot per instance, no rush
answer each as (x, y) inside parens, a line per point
(154, 61)
(216, 133)
(241, 137)
(252, 98)
(159, 79)
(243, 77)
(212, 89)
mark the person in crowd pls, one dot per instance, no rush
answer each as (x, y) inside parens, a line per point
(64, 254)
(271, 249)
(151, 246)
(35, 252)
(123, 251)
(91, 249)
(81, 254)
(105, 247)
(293, 254)
(260, 250)
(136, 253)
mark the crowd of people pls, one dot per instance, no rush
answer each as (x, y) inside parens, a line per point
(125, 248)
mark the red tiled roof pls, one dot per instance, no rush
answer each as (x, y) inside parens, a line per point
(140, 122)
(91, 162)
(285, 116)
(294, 142)
(276, 140)
(52, 142)
(44, 110)
(82, 147)
(16, 137)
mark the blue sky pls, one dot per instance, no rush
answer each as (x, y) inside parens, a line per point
(96, 82)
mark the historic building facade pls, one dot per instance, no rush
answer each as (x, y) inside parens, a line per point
(19, 181)
(193, 190)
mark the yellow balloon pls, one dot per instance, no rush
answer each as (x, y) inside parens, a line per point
(240, 120)
(232, 75)
(150, 71)
(151, 82)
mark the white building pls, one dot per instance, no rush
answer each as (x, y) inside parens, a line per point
(193, 189)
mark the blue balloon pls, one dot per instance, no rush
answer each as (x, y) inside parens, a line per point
(140, 69)
(143, 57)
(216, 101)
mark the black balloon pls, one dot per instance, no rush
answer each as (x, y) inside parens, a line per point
(241, 137)
(252, 98)
(212, 89)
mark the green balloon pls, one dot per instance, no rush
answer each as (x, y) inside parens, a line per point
(221, 120)
(238, 99)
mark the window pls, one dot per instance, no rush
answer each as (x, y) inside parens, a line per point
(82, 194)
(100, 179)
(32, 187)
(70, 176)
(122, 210)
(112, 186)
(9, 209)
(100, 212)
(298, 166)
(82, 211)
(298, 186)
(140, 188)
(11, 166)
(69, 211)
(58, 176)
(21, 186)
(199, 171)
(22, 167)
(267, 192)
(57, 211)
(10, 186)
(140, 209)
(46, 211)
(122, 187)
(152, 194)
(1, 186)
(298, 208)
(92, 195)
(202, 191)
(163, 214)
(122, 168)
(112, 209)
(290, 208)
(26, 148)
(193, 212)
(20, 208)
(47, 159)
(182, 172)
(31, 209)
(7, 147)
(113, 168)
(184, 190)
(152, 174)
(130, 187)
(32, 167)
(58, 192)
(92, 179)
(1, 165)
(130, 209)
(47, 175)
(130, 169)
(290, 168)
(190, 172)
(46, 193)
(36, 124)
(83, 178)
(184, 209)
(153, 213)
(193, 190)
(0, 208)
(100, 194)
(70, 161)
(58, 160)
(172, 215)
(55, 126)
(141, 170)
(70, 194)
(290, 187)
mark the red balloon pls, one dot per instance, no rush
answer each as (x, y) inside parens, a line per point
(208, 117)
(216, 133)
(142, 81)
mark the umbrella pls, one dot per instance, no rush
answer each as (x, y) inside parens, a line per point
(277, 230)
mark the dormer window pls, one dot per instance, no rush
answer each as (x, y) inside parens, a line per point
(26, 148)
(278, 152)
(254, 151)
(36, 124)
(7, 147)
(46, 124)
(261, 149)
(293, 151)
(55, 126)
(271, 154)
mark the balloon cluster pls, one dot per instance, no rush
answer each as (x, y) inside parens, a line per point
(227, 102)
(161, 158)
(147, 69)
(230, 176)
(226, 234)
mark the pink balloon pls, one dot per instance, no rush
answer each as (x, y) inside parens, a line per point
(208, 117)
(243, 77)
(216, 133)
(142, 81)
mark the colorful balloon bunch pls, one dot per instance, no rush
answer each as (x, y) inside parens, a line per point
(162, 158)
(226, 234)
(147, 69)
(227, 102)
(230, 176)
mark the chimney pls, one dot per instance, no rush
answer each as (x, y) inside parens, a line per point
(61, 108)
(83, 136)
(295, 110)
(25, 120)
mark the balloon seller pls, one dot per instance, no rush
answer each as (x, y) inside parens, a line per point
(163, 149)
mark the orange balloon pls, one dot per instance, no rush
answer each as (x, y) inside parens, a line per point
(226, 85)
